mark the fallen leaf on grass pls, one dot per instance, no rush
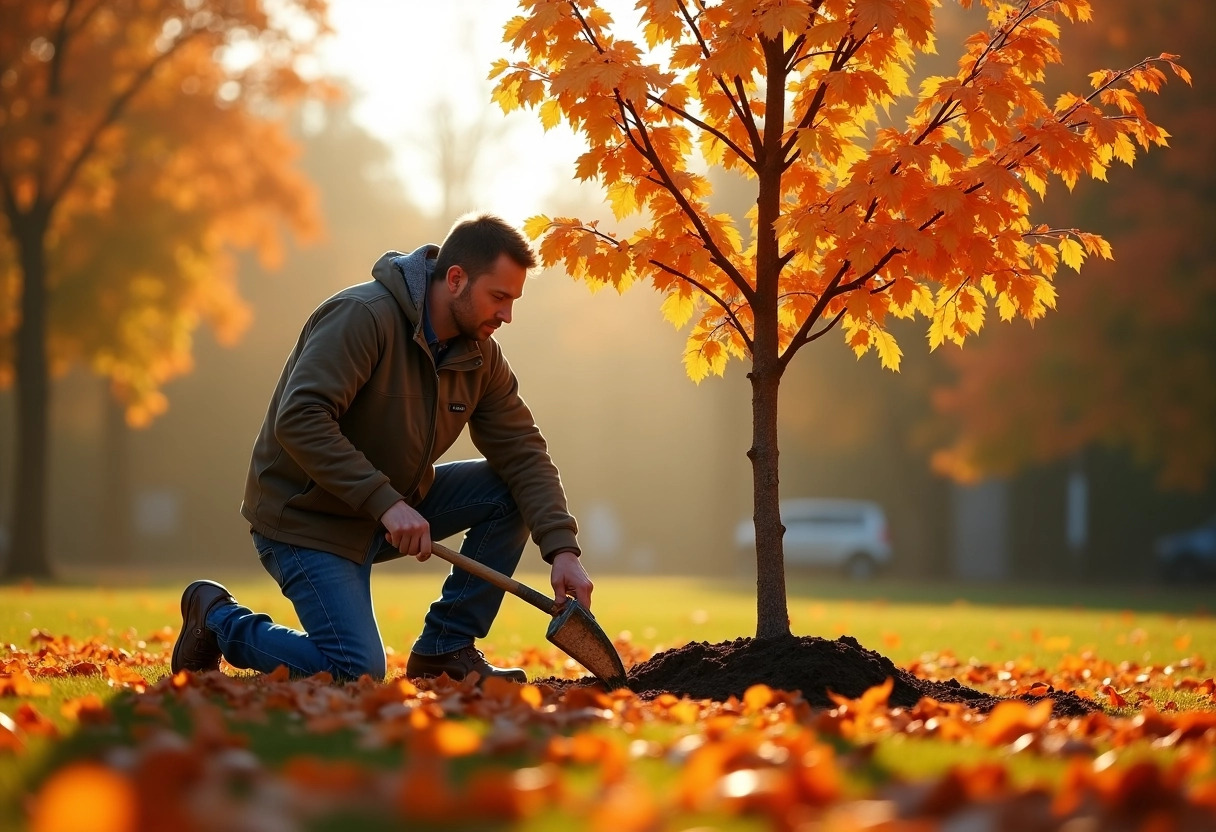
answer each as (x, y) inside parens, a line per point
(22, 684)
(32, 721)
(88, 708)
(764, 755)
(1010, 720)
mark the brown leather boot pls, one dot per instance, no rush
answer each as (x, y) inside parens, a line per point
(196, 648)
(459, 664)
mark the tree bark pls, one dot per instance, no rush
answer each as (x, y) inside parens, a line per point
(29, 557)
(772, 608)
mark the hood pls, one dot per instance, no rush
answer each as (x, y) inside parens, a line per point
(406, 276)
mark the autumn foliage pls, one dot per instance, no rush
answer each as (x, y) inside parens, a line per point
(1128, 358)
(185, 751)
(873, 200)
(141, 144)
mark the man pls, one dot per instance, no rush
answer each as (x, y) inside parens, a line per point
(383, 379)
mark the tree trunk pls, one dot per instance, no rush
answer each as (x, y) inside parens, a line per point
(29, 555)
(772, 608)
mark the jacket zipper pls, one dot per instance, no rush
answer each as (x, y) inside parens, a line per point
(430, 441)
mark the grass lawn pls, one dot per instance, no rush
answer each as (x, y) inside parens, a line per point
(902, 620)
(1024, 629)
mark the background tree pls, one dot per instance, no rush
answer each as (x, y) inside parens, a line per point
(1128, 360)
(139, 141)
(856, 219)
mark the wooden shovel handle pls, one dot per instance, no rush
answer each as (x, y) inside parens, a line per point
(503, 582)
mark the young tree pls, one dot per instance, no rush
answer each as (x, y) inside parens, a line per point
(860, 215)
(138, 142)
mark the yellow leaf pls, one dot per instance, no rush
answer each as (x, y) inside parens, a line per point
(622, 196)
(535, 226)
(1045, 293)
(1072, 253)
(1124, 150)
(888, 351)
(550, 114)
(678, 308)
(695, 364)
(937, 329)
(1037, 183)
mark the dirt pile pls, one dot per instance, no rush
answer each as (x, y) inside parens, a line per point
(811, 665)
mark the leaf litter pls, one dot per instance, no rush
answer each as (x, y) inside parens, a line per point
(782, 731)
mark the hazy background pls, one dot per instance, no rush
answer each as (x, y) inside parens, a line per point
(654, 465)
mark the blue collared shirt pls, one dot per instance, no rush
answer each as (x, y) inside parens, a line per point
(438, 348)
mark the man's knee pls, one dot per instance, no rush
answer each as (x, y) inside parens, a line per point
(351, 666)
(351, 672)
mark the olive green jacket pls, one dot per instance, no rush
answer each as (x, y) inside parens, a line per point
(361, 413)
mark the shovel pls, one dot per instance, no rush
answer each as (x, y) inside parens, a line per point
(573, 628)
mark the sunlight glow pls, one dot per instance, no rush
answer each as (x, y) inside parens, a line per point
(413, 63)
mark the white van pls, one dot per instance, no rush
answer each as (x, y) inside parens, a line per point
(849, 535)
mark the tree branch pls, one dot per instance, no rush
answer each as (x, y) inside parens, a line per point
(790, 60)
(111, 115)
(801, 336)
(649, 152)
(748, 117)
(830, 326)
(705, 290)
(946, 112)
(744, 115)
(842, 54)
(857, 282)
(718, 134)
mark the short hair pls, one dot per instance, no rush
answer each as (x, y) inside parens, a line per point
(476, 242)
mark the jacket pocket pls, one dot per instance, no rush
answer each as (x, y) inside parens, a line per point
(317, 500)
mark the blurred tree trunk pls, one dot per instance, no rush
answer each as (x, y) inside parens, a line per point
(29, 557)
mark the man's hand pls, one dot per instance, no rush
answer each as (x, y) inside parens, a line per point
(407, 531)
(569, 578)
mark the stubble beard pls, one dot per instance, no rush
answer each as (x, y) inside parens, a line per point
(465, 317)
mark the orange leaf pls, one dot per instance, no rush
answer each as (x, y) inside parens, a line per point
(87, 708)
(453, 739)
(84, 797)
(1010, 720)
(1116, 700)
(757, 697)
(32, 721)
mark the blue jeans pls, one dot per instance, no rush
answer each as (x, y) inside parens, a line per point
(332, 595)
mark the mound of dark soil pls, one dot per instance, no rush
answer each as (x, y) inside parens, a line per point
(810, 665)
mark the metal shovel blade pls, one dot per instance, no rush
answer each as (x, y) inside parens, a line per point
(576, 633)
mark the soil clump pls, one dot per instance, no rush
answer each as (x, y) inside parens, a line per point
(811, 665)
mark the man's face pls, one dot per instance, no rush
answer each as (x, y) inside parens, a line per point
(483, 304)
